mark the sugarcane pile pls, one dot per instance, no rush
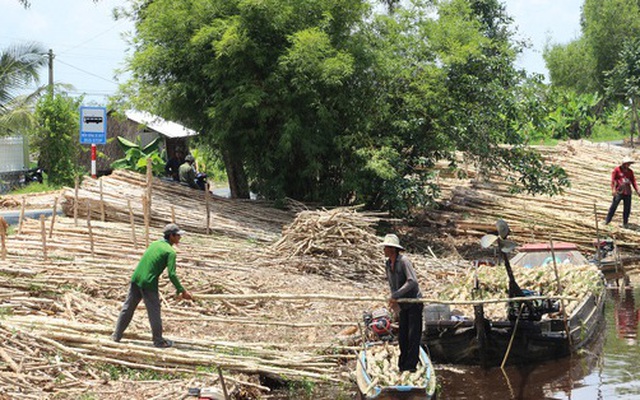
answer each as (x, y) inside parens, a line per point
(576, 282)
(333, 242)
(470, 206)
(123, 195)
(382, 367)
(8, 202)
(59, 307)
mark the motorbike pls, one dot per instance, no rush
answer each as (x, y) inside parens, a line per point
(34, 175)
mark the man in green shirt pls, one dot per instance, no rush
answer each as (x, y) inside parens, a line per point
(144, 285)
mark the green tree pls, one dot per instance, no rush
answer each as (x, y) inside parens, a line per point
(57, 137)
(623, 81)
(572, 66)
(606, 25)
(324, 100)
(19, 67)
(583, 63)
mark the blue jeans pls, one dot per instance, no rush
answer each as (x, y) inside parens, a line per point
(626, 210)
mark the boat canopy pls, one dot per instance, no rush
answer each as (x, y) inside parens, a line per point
(539, 254)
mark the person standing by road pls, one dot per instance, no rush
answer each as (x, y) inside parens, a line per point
(622, 181)
(144, 285)
(404, 285)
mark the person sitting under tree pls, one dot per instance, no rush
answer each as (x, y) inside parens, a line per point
(188, 172)
(172, 166)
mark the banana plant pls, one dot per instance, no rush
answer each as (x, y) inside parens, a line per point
(135, 156)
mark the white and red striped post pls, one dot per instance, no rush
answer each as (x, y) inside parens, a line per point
(93, 161)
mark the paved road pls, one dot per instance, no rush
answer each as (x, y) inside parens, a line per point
(12, 217)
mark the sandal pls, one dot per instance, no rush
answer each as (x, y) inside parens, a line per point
(164, 343)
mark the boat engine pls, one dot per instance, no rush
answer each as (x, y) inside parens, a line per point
(604, 246)
(378, 323)
(532, 310)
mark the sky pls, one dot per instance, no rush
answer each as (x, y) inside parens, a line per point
(89, 47)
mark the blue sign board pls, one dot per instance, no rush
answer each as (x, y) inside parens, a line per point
(93, 125)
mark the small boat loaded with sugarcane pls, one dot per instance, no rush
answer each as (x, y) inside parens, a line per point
(378, 377)
(561, 310)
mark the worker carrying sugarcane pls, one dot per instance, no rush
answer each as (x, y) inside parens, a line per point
(144, 285)
(404, 285)
(622, 182)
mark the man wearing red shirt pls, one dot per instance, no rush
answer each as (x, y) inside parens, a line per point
(622, 181)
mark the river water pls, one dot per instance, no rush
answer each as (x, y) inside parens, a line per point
(608, 369)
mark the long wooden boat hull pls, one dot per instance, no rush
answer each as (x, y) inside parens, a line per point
(457, 342)
(366, 392)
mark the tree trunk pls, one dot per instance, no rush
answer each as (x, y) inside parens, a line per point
(634, 106)
(236, 175)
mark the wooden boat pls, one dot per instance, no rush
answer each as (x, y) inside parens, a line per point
(549, 335)
(463, 342)
(369, 388)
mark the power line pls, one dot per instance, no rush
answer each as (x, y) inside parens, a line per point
(86, 72)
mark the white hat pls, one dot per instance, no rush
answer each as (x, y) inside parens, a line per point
(391, 240)
(627, 160)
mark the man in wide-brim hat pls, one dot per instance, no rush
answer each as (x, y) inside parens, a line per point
(404, 285)
(622, 181)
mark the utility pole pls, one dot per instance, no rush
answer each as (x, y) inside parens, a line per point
(51, 72)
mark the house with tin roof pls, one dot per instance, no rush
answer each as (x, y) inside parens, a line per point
(139, 127)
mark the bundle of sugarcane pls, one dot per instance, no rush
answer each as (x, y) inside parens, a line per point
(575, 282)
(338, 240)
(382, 365)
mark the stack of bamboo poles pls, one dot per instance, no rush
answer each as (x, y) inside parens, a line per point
(122, 197)
(63, 282)
(333, 242)
(471, 206)
(67, 299)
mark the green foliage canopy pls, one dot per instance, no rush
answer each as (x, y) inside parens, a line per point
(326, 100)
(57, 138)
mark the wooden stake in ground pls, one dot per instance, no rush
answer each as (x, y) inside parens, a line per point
(149, 181)
(75, 202)
(173, 214)
(145, 207)
(21, 215)
(207, 207)
(89, 227)
(133, 225)
(102, 216)
(43, 232)
(3, 234)
(53, 216)
(224, 387)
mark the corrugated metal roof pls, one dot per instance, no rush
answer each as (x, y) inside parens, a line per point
(160, 125)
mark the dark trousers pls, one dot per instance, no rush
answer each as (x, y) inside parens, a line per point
(151, 301)
(626, 210)
(410, 336)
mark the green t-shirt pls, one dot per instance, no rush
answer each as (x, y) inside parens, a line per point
(159, 255)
